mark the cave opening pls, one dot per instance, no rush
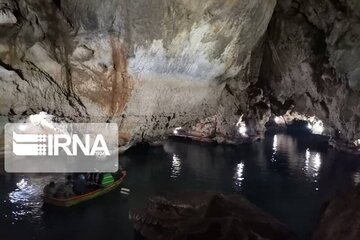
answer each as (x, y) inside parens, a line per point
(297, 123)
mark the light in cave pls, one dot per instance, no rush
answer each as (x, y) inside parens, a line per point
(242, 127)
(316, 126)
(279, 120)
(42, 119)
(46, 121)
(176, 130)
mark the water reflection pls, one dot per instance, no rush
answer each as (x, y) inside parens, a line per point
(284, 188)
(312, 164)
(199, 160)
(283, 147)
(175, 166)
(356, 178)
(22, 193)
(238, 177)
(26, 199)
(275, 145)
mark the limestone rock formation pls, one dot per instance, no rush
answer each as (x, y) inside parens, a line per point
(311, 61)
(205, 215)
(152, 66)
(149, 66)
(340, 219)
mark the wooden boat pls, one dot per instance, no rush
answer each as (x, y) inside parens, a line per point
(84, 197)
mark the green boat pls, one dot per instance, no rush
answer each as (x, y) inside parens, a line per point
(84, 197)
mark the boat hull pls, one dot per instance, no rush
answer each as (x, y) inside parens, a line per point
(85, 197)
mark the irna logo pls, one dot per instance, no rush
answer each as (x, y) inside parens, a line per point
(61, 147)
(53, 144)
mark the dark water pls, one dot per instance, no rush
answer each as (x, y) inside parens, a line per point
(283, 175)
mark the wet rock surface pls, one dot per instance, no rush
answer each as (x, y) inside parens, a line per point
(311, 63)
(152, 66)
(340, 218)
(205, 215)
(149, 66)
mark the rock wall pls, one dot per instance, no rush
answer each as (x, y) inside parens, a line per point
(149, 66)
(311, 63)
(154, 65)
(339, 219)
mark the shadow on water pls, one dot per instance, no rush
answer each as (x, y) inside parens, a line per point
(287, 176)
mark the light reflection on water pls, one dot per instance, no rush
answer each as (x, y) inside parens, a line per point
(275, 145)
(175, 166)
(22, 193)
(285, 187)
(286, 147)
(238, 177)
(312, 164)
(356, 178)
(26, 199)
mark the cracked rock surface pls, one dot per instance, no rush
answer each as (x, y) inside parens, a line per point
(149, 66)
(339, 219)
(152, 66)
(311, 59)
(205, 215)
